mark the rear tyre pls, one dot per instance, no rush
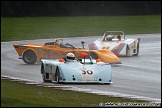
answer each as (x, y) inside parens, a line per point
(29, 57)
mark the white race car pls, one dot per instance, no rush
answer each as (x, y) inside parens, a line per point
(117, 43)
(76, 69)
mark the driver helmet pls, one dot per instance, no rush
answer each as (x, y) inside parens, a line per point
(56, 42)
(70, 57)
(109, 37)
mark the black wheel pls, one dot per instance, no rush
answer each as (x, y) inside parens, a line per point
(42, 68)
(44, 78)
(29, 57)
(94, 55)
(57, 75)
(137, 49)
(44, 75)
(127, 51)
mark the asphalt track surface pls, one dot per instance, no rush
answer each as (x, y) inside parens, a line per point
(138, 76)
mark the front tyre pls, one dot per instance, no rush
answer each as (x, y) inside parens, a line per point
(29, 57)
(137, 49)
(57, 75)
(44, 78)
(127, 51)
(44, 75)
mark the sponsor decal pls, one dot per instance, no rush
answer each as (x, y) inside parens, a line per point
(50, 53)
(38, 50)
(87, 72)
(106, 47)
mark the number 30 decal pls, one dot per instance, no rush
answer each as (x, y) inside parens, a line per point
(87, 71)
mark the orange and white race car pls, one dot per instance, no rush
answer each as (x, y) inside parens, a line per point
(32, 53)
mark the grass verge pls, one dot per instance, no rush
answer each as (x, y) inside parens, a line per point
(52, 27)
(16, 94)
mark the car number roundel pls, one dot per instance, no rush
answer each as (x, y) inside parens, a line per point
(87, 72)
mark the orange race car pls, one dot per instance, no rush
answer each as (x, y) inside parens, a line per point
(32, 53)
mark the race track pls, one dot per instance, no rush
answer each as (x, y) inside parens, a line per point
(136, 76)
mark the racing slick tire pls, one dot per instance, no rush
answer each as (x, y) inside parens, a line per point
(127, 51)
(94, 55)
(57, 75)
(137, 49)
(44, 75)
(29, 57)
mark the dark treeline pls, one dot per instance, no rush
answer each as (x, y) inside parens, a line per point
(79, 8)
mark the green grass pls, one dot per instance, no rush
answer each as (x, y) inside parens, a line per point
(53, 27)
(15, 94)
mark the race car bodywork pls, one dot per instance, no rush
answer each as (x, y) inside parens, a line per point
(32, 53)
(116, 42)
(83, 69)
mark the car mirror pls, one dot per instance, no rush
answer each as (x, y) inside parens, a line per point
(98, 60)
(61, 60)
